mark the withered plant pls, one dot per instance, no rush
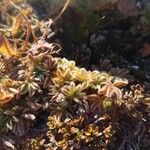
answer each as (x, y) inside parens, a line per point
(47, 102)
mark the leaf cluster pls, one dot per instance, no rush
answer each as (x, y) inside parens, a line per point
(47, 102)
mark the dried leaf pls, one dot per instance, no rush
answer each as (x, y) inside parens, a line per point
(93, 97)
(17, 1)
(6, 48)
(120, 83)
(5, 97)
(29, 116)
(111, 90)
(18, 20)
(9, 145)
(147, 101)
(115, 92)
(97, 102)
(34, 105)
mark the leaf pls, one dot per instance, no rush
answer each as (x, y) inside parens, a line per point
(17, 1)
(147, 101)
(103, 90)
(115, 92)
(93, 97)
(9, 145)
(18, 20)
(5, 97)
(120, 83)
(111, 90)
(96, 102)
(6, 48)
(29, 116)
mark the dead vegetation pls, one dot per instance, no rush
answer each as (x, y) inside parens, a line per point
(47, 102)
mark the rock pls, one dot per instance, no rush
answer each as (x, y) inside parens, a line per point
(44, 7)
(128, 8)
(146, 2)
